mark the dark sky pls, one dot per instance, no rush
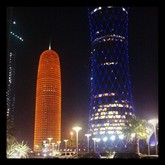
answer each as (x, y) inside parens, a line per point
(68, 29)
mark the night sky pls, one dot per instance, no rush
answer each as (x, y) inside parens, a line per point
(68, 29)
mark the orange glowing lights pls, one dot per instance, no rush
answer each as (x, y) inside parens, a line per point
(48, 99)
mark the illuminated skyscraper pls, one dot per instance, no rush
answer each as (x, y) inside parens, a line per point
(48, 99)
(13, 44)
(111, 95)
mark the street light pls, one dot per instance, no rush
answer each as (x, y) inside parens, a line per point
(71, 136)
(77, 129)
(44, 146)
(148, 140)
(49, 139)
(53, 146)
(65, 145)
(94, 141)
(71, 140)
(37, 147)
(58, 145)
(88, 135)
(154, 123)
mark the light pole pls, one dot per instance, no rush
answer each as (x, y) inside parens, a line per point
(58, 145)
(148, 144)
(88, 135)
(77, 129)
(154, 123)
(71, 136)
(148, 140)
(49, 139)
(71, 140)
(44, 146)
(94, 142)
(65, 145)
(53, 146)
(37, 147)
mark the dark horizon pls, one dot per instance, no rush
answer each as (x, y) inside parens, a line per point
(68, 29)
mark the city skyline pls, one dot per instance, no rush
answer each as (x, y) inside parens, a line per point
(68, 28)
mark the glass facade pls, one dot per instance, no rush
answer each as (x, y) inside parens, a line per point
(111, 95)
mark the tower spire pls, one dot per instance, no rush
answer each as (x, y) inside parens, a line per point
(49, 44)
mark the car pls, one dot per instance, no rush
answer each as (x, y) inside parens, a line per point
(67, 155)
(127, 155)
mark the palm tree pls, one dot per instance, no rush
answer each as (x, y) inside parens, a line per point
(136, 129)
(14, 149)
(10, 139)
(18, 150)
(11, 150)
(22, 150)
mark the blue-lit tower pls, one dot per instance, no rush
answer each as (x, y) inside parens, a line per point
(111, 96)
(13, 43)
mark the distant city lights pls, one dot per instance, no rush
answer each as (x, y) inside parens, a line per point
(17, 36)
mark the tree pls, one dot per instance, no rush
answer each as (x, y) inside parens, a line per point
(135, 130)
(17, 150)
(14, 149)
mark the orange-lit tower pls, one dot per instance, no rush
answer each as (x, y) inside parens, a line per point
(48, 99)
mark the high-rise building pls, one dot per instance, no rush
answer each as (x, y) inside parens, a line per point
(13, 44)
(48, 100)
(111, 102)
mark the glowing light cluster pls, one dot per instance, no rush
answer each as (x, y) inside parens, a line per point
(110, 63)
(109, 7)
(17, 36)
(104, 94)
(10, 94)
(106, 38)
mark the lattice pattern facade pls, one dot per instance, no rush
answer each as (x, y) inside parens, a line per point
(48, 99)
(111, 95)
